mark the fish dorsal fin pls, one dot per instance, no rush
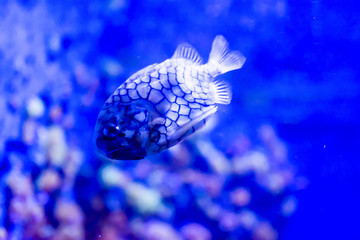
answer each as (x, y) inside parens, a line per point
(182, 132)
(186, 51)
(222, 58)
(222, 93)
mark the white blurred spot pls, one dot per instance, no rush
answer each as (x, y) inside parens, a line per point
(112, 67)
(54, 43)
(264, 231)
(195, 231)
(240, 197)
(29, 131)
(247, 219)
(216, 159)
(252, 161)
(146, 200)
(275, 182)
(49, 181)
(289, 206)
(56, 147)
(156, 230)
(112, 176)
(35, 107)
(3, 233)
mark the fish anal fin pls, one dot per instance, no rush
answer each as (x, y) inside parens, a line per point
(186, 51)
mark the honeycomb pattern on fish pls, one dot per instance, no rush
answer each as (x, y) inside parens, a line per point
(178, 95)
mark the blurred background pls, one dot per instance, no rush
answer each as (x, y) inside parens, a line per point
(279, 162)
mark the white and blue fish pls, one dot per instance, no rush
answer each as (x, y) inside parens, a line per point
(162, 104)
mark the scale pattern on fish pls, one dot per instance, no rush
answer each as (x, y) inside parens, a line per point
(162, 104)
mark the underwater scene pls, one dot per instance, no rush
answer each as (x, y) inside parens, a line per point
(179, 120)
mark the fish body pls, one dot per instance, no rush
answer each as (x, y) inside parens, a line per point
(162, 104)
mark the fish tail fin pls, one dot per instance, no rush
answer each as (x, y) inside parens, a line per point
(222, 58)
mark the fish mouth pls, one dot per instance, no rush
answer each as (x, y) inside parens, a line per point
(126, 154)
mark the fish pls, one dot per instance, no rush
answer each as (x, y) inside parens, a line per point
(164, 103)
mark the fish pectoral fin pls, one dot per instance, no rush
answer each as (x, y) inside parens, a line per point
(186, 51)
(222, 93)
(182, 132)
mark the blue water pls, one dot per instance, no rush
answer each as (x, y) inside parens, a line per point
(293, 122)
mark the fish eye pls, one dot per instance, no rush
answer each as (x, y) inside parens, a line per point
(111, 130)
